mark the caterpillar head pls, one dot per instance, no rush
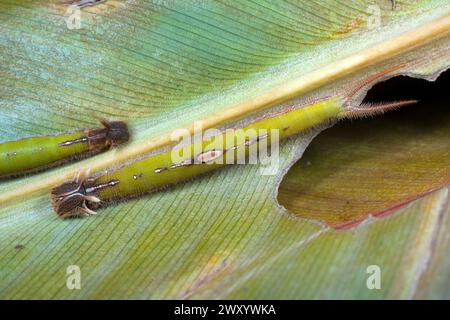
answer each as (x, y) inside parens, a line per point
(117, 132)
(113, 134)
(71, 200)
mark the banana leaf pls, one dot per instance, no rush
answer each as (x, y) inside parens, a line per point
(161, 65)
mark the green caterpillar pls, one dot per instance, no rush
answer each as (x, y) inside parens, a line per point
(34, 154)
(83, 195)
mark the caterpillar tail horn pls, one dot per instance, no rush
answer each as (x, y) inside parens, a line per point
(372, 109)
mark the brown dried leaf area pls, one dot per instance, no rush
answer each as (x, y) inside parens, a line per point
(374, 167)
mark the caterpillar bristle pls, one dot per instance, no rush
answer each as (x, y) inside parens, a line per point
(371, 109)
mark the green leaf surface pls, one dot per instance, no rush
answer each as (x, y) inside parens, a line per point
(162, 65)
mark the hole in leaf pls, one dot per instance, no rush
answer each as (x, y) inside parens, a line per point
(375, 166)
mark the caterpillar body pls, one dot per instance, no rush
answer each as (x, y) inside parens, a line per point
(83, 195)
(36, 153)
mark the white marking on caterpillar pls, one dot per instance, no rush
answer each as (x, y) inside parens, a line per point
(137, 176)
(159, 170)
(184, 163)
(264, 136)
(209, 156)
(71, 142)
(250, 142)
(111, 183)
